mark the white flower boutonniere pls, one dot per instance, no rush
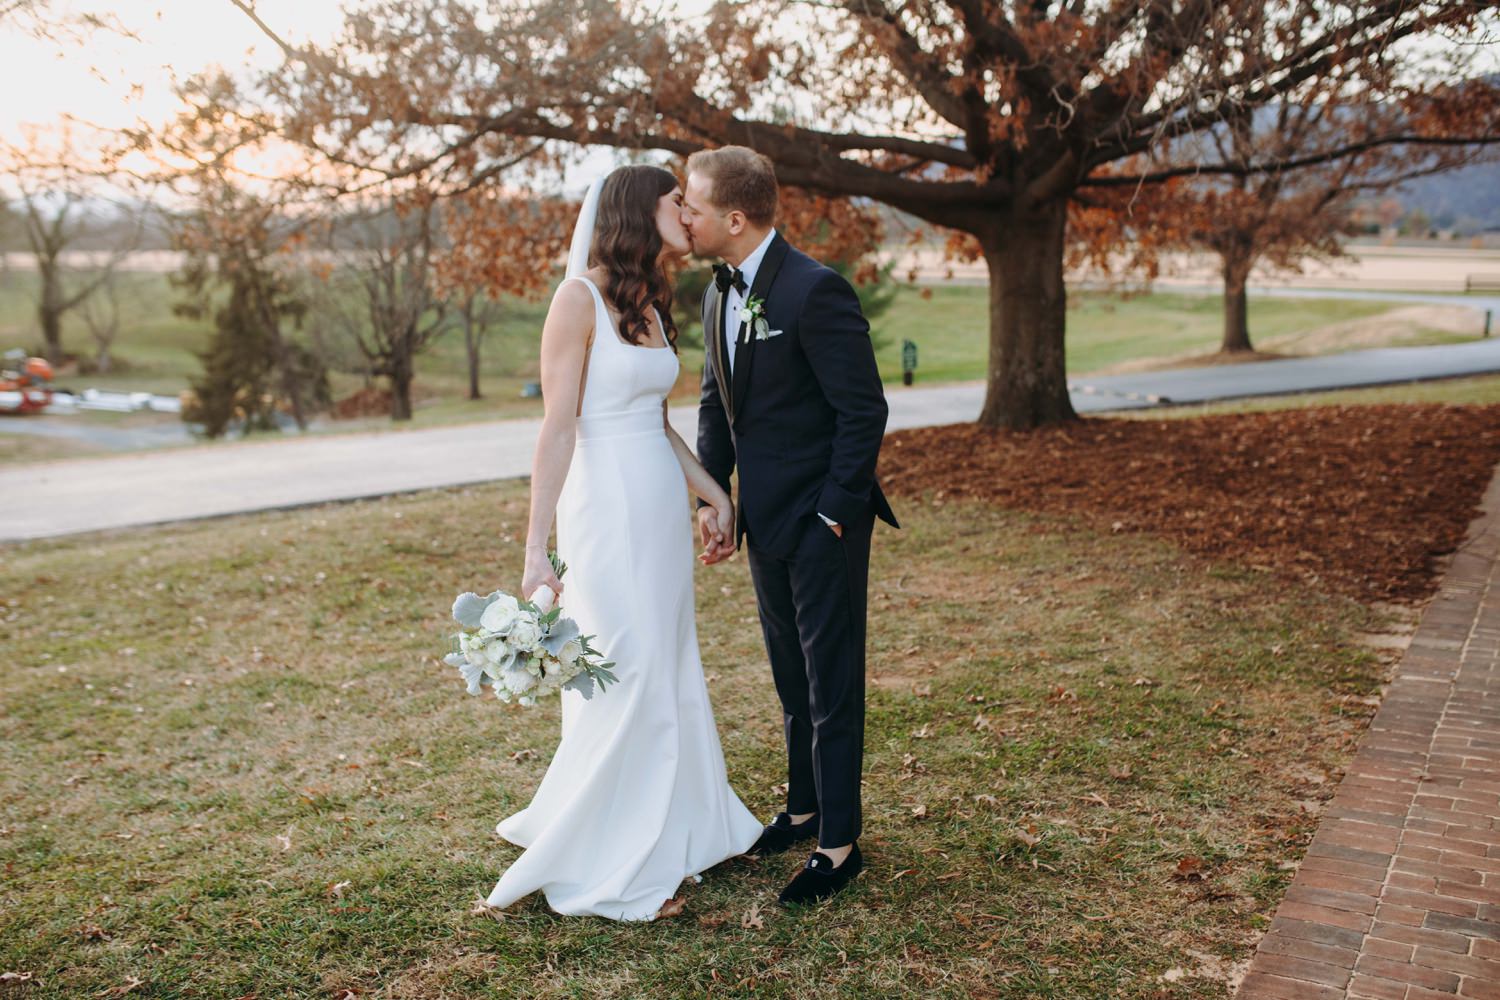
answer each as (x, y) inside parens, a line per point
(753, 317)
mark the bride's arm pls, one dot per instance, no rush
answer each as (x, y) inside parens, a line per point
(565, 342)
(716, 521)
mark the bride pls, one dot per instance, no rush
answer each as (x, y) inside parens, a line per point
(635, 799)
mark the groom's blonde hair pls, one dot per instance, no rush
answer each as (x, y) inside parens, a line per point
(740, 179)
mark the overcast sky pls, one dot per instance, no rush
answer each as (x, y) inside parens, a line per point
(113, 81)
(44, 81)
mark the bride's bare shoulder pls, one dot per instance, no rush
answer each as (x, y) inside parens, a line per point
(572, 303)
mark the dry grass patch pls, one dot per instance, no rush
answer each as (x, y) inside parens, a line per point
(235, 766)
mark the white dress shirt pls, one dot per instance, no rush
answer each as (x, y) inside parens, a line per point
(734, 301)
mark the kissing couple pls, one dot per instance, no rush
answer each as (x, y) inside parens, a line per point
(636, 798)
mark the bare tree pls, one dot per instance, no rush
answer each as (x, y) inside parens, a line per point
(102, 315)
(381, 293)
(56, 223)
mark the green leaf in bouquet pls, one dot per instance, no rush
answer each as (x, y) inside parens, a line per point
(558, 566)
(550, 617)
(583, 684)
(603, 674)
(559, 634)
(468, 608)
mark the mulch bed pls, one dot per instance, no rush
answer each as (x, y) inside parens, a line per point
(1362, 499)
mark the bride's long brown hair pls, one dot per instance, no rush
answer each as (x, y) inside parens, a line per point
(628, 244)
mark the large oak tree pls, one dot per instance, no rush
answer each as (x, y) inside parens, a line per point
(985, 117)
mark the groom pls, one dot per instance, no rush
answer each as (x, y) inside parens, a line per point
(792, 397)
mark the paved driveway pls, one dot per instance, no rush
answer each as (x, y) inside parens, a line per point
(60, 498)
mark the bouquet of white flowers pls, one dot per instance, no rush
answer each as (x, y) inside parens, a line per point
(524, 649)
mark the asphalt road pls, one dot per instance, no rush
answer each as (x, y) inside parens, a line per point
(122, 491)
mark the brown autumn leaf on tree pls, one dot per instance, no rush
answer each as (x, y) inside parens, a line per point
(1275, 219)
(985, 117)
(497, 243)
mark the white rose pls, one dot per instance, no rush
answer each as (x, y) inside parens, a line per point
(499, 654)
(518, 679)
(524, 634)
(500, 615)
(570, 652)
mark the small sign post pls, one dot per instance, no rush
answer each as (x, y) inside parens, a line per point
(908, 361)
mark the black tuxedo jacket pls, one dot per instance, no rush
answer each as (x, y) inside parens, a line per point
(803, 413)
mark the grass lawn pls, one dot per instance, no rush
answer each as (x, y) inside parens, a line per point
(155, 351)
(233, 766)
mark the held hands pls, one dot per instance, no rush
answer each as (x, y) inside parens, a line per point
(716, 531)
(538, 572)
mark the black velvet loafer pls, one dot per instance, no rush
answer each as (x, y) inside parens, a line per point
(781, 833)
(819, 879)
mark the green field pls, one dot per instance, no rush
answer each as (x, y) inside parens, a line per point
(948, 324)
(234, 766)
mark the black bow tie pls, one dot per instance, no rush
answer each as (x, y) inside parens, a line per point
(726, 277)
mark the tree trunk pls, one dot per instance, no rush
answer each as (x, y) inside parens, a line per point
(471, 347)
(291, 382)
(50, 319)
(401, 376)
(102, 360)
(1237, 263)
(1027, 382)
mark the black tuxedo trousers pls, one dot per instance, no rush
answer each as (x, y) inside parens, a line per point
(812, 614)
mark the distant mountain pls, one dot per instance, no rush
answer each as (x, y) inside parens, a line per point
(1467, 199)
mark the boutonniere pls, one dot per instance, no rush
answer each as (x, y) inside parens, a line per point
(755, 323)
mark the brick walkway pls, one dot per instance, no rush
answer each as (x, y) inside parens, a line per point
(1399, 895)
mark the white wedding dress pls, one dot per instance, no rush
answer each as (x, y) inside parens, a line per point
(636, 798)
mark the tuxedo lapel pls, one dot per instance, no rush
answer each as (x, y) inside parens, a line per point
(744, 352)
(713, 335)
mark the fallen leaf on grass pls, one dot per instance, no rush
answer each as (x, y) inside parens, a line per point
(521, 755)
(987, 800)
(1190, 869)
(285, 840)
(1121, 773)
(16, 977)
(1028, 835)
(671, 908)
(921, 734)
(1173, 975)
(919, 812)
(336, 889)
(904, 871)
(752, 920)
(118, 991)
